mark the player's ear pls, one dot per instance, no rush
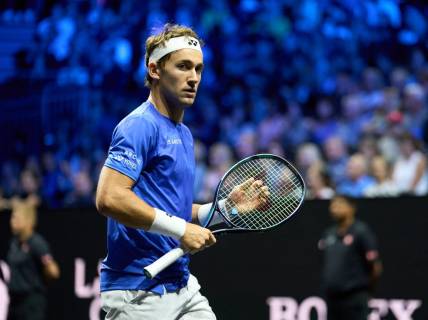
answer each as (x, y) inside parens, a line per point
(153, 70)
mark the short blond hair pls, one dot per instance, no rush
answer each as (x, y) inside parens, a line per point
(168, 31)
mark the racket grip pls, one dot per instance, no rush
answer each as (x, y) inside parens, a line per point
(163, 262)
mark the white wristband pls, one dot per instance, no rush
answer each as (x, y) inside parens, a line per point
(204, 214)
(168, 225)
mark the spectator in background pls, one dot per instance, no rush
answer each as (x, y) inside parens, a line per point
(399, 77)
(55, 183)
(357, 180)
(276, 148)
(220, 160)
(30, 186)
(410, 169)
(388, 142)
(9, 178)
(384, 186)
(246, 145)
(326, 125)
(367, 147)
(415, 109)
(307, 155)
(318, 183)
(200, 168)
(351, 263)
(336, 154)
(297, 127)
(330, 88)
(354, 119)
(271, 128)
(82, 195)
(31, 265)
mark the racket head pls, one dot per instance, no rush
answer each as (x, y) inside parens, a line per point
(285, 184)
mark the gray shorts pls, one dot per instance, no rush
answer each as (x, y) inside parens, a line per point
(186, 304)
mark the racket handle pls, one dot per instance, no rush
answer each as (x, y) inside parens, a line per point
(163, 262)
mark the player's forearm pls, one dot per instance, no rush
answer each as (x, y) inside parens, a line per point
(51, 270)
(195, 209)
(376, 271)
(123, 205)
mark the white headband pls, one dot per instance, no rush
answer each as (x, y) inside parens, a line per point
(175, 44)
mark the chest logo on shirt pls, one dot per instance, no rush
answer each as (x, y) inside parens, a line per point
(174, 141)
(25, 247)
(348, 239)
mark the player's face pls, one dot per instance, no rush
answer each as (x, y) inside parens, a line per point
(340, 209)
(180, 77)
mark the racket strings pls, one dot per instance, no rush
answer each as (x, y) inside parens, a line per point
(285, 187)
(287, 207)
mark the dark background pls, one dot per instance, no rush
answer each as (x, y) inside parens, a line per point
(242, 271)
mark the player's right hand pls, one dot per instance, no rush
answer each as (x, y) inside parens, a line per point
(196, 238)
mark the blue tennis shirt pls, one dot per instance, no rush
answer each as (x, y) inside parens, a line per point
(157, 154)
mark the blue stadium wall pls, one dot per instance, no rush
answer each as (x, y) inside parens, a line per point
(271, 276)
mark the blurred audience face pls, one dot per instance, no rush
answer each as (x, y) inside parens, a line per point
(344, 83)
(48, 162)
(368, 147)
(407, 146)
(247, 144)
(82, 183)
(307, 155)
(29, 182)
(399, 77)
(334, 148)
(356, 167)
(414, 97)
(391, 99)
(372, 79)
(324, 109)
(351, 106)
(276, 148)
(379, 168)
(220, 156)
(314, 178)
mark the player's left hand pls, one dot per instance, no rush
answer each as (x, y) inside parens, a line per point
(250, 195)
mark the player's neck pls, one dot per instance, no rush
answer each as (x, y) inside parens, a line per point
(24, 235)
(175, 113)
(344, 224)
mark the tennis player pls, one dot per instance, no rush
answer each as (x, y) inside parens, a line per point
(145, 189)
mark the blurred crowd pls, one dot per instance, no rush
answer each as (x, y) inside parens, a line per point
(338, 87)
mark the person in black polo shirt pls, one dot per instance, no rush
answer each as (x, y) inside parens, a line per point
(31, 264)
(351, 263)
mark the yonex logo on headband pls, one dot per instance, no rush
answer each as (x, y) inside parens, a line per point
(174, 44)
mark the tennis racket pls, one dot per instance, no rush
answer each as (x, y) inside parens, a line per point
(246, 206)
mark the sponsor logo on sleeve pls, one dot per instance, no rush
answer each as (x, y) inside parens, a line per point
(127, 158)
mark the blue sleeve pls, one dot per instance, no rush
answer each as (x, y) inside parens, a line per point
(131, 146)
